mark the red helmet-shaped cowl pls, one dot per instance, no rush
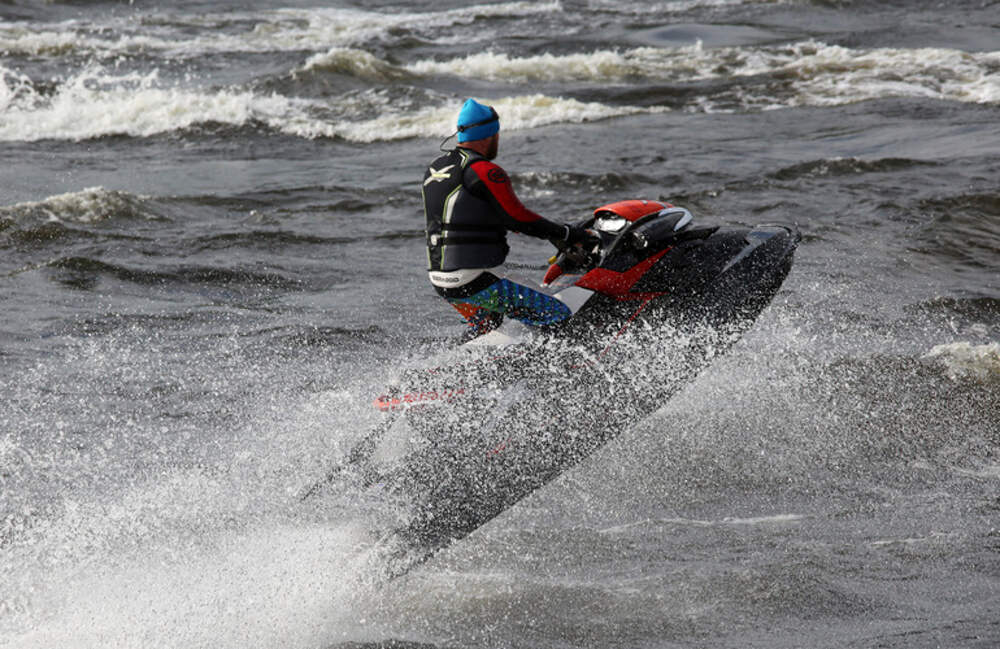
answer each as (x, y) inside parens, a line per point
(632, 210)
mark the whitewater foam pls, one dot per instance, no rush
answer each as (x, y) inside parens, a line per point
(603, 65)
(676, 6)
(96, 103)
(354, 62)
(183, 35)
(832, 74)
(73, 37)
(149, 546)
(281, 586)
(821, 74)
(88, 205)
(520, 112)
(14, 87)
(965, 360)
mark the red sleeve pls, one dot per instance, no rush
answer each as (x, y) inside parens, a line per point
(517, 217)
(497, 183)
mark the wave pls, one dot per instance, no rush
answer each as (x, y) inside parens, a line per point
(832, 75)
(82, 272)
(646, 62)
(267, 239)
(962, 230)
(986, 204)
(56, 231)
(97, 103)
(58, 40)
(272, 240)
(354, 63)
(396, 123)
(807, 73)
(673, 7)
(549, 181)
(846, 167)
(90, 205)
(965, 360)
(187, 35)
(976, 309)
(14, 89)
(519, 112)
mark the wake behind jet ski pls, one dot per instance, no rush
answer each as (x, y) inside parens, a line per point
(465, 438)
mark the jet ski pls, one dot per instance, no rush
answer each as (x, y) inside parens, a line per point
(470, 434)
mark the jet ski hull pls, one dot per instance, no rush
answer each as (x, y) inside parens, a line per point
(470, 439)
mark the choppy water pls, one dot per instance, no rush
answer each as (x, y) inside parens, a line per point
(212, 259)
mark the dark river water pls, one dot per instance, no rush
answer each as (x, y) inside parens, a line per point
(212, 258)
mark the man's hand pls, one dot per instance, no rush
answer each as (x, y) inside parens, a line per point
(583, 237)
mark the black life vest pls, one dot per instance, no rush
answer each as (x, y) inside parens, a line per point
(463, 229)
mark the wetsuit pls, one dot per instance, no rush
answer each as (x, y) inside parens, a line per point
(470, 206)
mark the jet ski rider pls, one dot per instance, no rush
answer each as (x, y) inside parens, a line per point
(470, 206)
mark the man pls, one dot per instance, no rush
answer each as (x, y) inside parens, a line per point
(470, 206)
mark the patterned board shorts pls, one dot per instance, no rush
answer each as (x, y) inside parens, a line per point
(485, 310)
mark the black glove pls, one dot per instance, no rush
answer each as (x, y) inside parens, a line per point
(579, 235)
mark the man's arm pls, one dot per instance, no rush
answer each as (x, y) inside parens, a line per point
(491, 182)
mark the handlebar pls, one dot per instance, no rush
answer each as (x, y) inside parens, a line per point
(576, 254)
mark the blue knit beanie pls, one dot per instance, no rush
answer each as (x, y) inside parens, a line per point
(476, 121)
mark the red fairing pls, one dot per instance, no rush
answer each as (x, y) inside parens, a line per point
(617, 284)
(498, 183)
(553, 272)
(632, 210)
